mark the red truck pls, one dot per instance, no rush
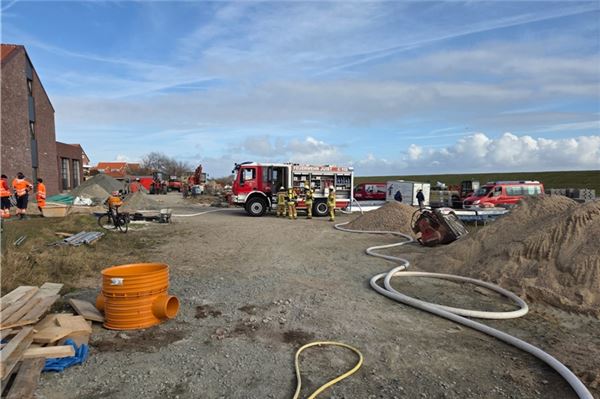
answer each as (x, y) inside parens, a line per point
(174, 184)
(498, 193)
(370, 191)
(255, 185)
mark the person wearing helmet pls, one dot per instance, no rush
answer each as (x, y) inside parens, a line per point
(309, 196)
(291, 204)
(331, 203)
(281, 202)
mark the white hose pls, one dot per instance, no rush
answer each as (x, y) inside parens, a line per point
(458, 315)
(202, 213)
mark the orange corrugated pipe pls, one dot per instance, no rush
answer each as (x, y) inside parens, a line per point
(135, 296)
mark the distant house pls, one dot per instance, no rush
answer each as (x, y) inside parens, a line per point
(118, 170)
(28, 142)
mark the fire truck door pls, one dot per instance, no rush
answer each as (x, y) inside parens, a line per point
(248, 177)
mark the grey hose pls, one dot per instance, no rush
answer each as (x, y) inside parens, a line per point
(458, 315)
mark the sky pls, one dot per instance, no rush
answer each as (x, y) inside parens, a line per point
(389, 88)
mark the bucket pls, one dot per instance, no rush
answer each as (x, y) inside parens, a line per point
(135, 296)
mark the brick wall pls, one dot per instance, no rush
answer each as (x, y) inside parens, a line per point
(72, 153)
(16, 141)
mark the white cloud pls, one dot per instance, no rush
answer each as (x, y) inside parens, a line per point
(509, 152)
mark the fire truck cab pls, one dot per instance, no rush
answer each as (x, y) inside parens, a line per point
(255, 185)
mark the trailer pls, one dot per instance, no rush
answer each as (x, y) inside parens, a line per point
(406, 191)
(255, 185)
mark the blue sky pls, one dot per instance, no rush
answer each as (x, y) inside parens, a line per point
(388, 87)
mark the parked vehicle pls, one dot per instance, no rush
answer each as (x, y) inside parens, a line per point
(503, 193)
(174, 184)
(255, 185)
(370, 191)
(406, 191)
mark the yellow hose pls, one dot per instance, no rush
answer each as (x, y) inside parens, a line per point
(331, 382)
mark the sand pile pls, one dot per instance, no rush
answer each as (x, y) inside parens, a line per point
(99, 186)
(546, 249)
(139, 201)
(393, 216)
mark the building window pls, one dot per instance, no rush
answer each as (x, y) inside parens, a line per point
(30, 87)
(32, 130)
(64, 173)
(76, 173)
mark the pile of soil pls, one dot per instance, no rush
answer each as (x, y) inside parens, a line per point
(393, 216)
(99, 186)
(546, 249)
(139, 201)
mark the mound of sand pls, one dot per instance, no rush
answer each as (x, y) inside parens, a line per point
(546, 249)
(92, 187)
(139, 201)
(393, 216)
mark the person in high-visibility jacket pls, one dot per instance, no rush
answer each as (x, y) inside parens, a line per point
(309, 196)
(114, 202)
(281, 202)
(22, 187)
(5, 197)
(291, 203)
(331, 203)
(41, 195)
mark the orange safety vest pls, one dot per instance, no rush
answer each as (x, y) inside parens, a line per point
(41, 195)
(114, 202)
(4, 189)
(21, 186)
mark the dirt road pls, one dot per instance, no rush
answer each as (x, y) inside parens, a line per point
(252, 290)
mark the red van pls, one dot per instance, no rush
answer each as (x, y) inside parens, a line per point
(370, 191)
(503, 193)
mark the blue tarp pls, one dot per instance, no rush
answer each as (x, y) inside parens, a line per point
(59, 364)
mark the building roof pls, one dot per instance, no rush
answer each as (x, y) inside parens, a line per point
(118, 170)
(6, 50)
(9, 50)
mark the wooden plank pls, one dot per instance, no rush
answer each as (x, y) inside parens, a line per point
(87, 310)
(74, 323)
(48, 321)
(78, 338)
(34, 314)
(11, 354)
(18, 304)
(50, 289)
(14, 296)
(26, 308)
(7, 381)
(7, 333)
(27, 379)
(49, 352)
(50, 334)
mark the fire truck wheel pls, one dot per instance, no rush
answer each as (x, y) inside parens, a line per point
(321, 208)
(256, 206)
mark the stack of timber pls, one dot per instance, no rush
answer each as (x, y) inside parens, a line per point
(30, 335)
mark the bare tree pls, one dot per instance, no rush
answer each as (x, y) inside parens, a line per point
(159, 162)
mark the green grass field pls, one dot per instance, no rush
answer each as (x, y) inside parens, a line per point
(576, 179)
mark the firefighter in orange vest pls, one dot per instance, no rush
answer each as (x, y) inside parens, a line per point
(5, 195)
(41, 195)
(309, 196)
(22, 188)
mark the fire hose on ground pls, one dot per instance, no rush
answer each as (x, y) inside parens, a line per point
(458, 315)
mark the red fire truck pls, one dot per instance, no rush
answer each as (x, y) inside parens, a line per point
(256, 184)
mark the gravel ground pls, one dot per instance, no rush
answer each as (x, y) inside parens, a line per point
(253, 290)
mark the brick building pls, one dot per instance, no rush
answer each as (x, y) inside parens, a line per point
(70, 160)
(28, 138)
